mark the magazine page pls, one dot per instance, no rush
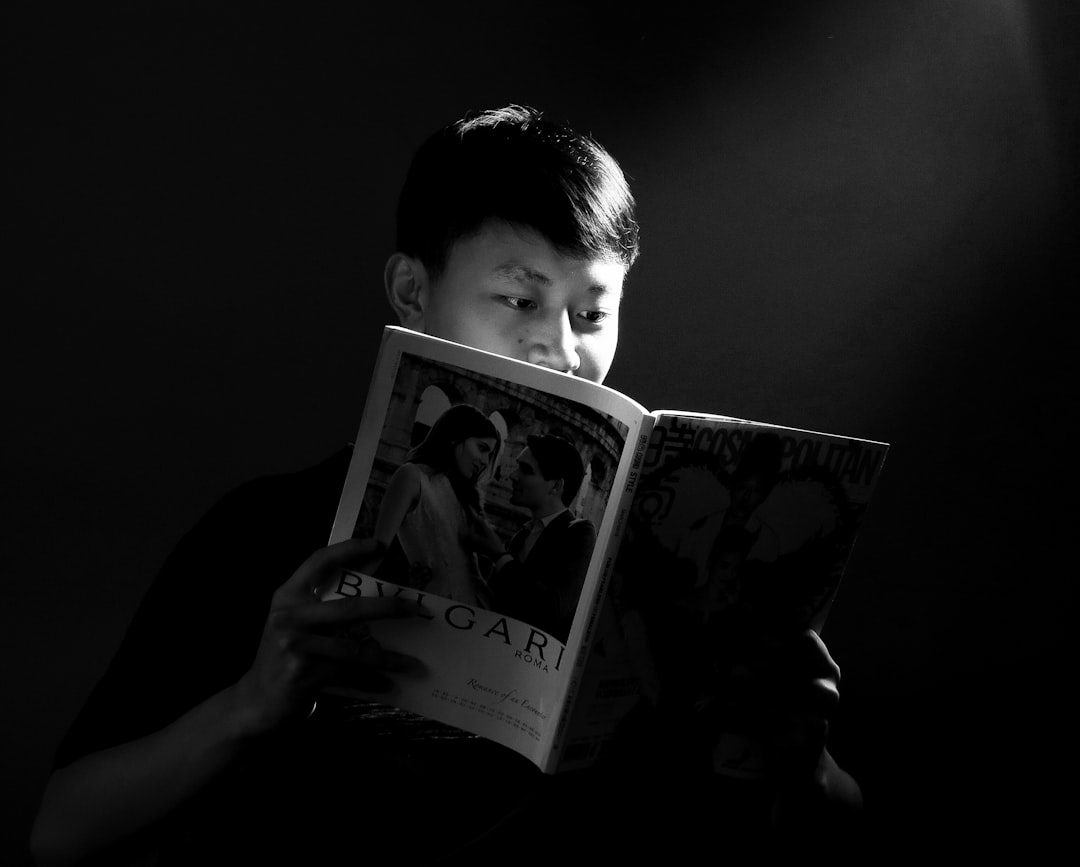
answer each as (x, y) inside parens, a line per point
(609, 686)
(737, 530)
(448, 473)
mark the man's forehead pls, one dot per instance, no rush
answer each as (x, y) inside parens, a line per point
(521, 253)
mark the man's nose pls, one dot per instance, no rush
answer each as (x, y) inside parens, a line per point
(554, 344)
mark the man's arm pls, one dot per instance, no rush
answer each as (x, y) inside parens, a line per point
(109, 796)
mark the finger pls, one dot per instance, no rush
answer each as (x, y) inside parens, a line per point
(791, 673)
(326, 560)
(826, 665)
(398, 663)
(801, 655)
(366, 653)
(334, 675)
(355, 610)
(818, 698)
(799, 744)
(815, 677)
(355, 631)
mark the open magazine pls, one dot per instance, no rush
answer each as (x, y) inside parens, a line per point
(542, 632)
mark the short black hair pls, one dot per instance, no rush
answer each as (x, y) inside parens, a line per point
(517, 165)
(557, 458)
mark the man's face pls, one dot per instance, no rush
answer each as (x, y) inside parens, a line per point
(509, 291)
(530, 489)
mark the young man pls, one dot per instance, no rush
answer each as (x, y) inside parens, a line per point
(514, 235)
(538, 576)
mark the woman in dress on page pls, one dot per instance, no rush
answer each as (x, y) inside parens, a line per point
(432, 501)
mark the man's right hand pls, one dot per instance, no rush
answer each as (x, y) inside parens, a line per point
(309, 644)
(114, 794)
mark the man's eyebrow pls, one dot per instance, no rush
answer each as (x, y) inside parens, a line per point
(601, 289)
(524, 274)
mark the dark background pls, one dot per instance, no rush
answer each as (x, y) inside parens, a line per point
(856, 217)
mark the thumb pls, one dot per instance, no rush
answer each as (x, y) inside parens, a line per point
(325, 562)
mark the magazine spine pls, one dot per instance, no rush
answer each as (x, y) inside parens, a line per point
(553, 758)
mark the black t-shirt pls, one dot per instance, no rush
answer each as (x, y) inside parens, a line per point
(362, 782)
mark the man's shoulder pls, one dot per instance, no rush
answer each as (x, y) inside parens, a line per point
(330, 471)
(276, 509)
(581, 524)
(313, 479)
(576, 527)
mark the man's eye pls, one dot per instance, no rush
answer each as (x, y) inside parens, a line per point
(595, 317)
(518, 303)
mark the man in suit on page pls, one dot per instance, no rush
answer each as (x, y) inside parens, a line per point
(539, 575)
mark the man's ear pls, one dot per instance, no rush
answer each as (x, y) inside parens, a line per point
(406, 281)
(557, 486)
